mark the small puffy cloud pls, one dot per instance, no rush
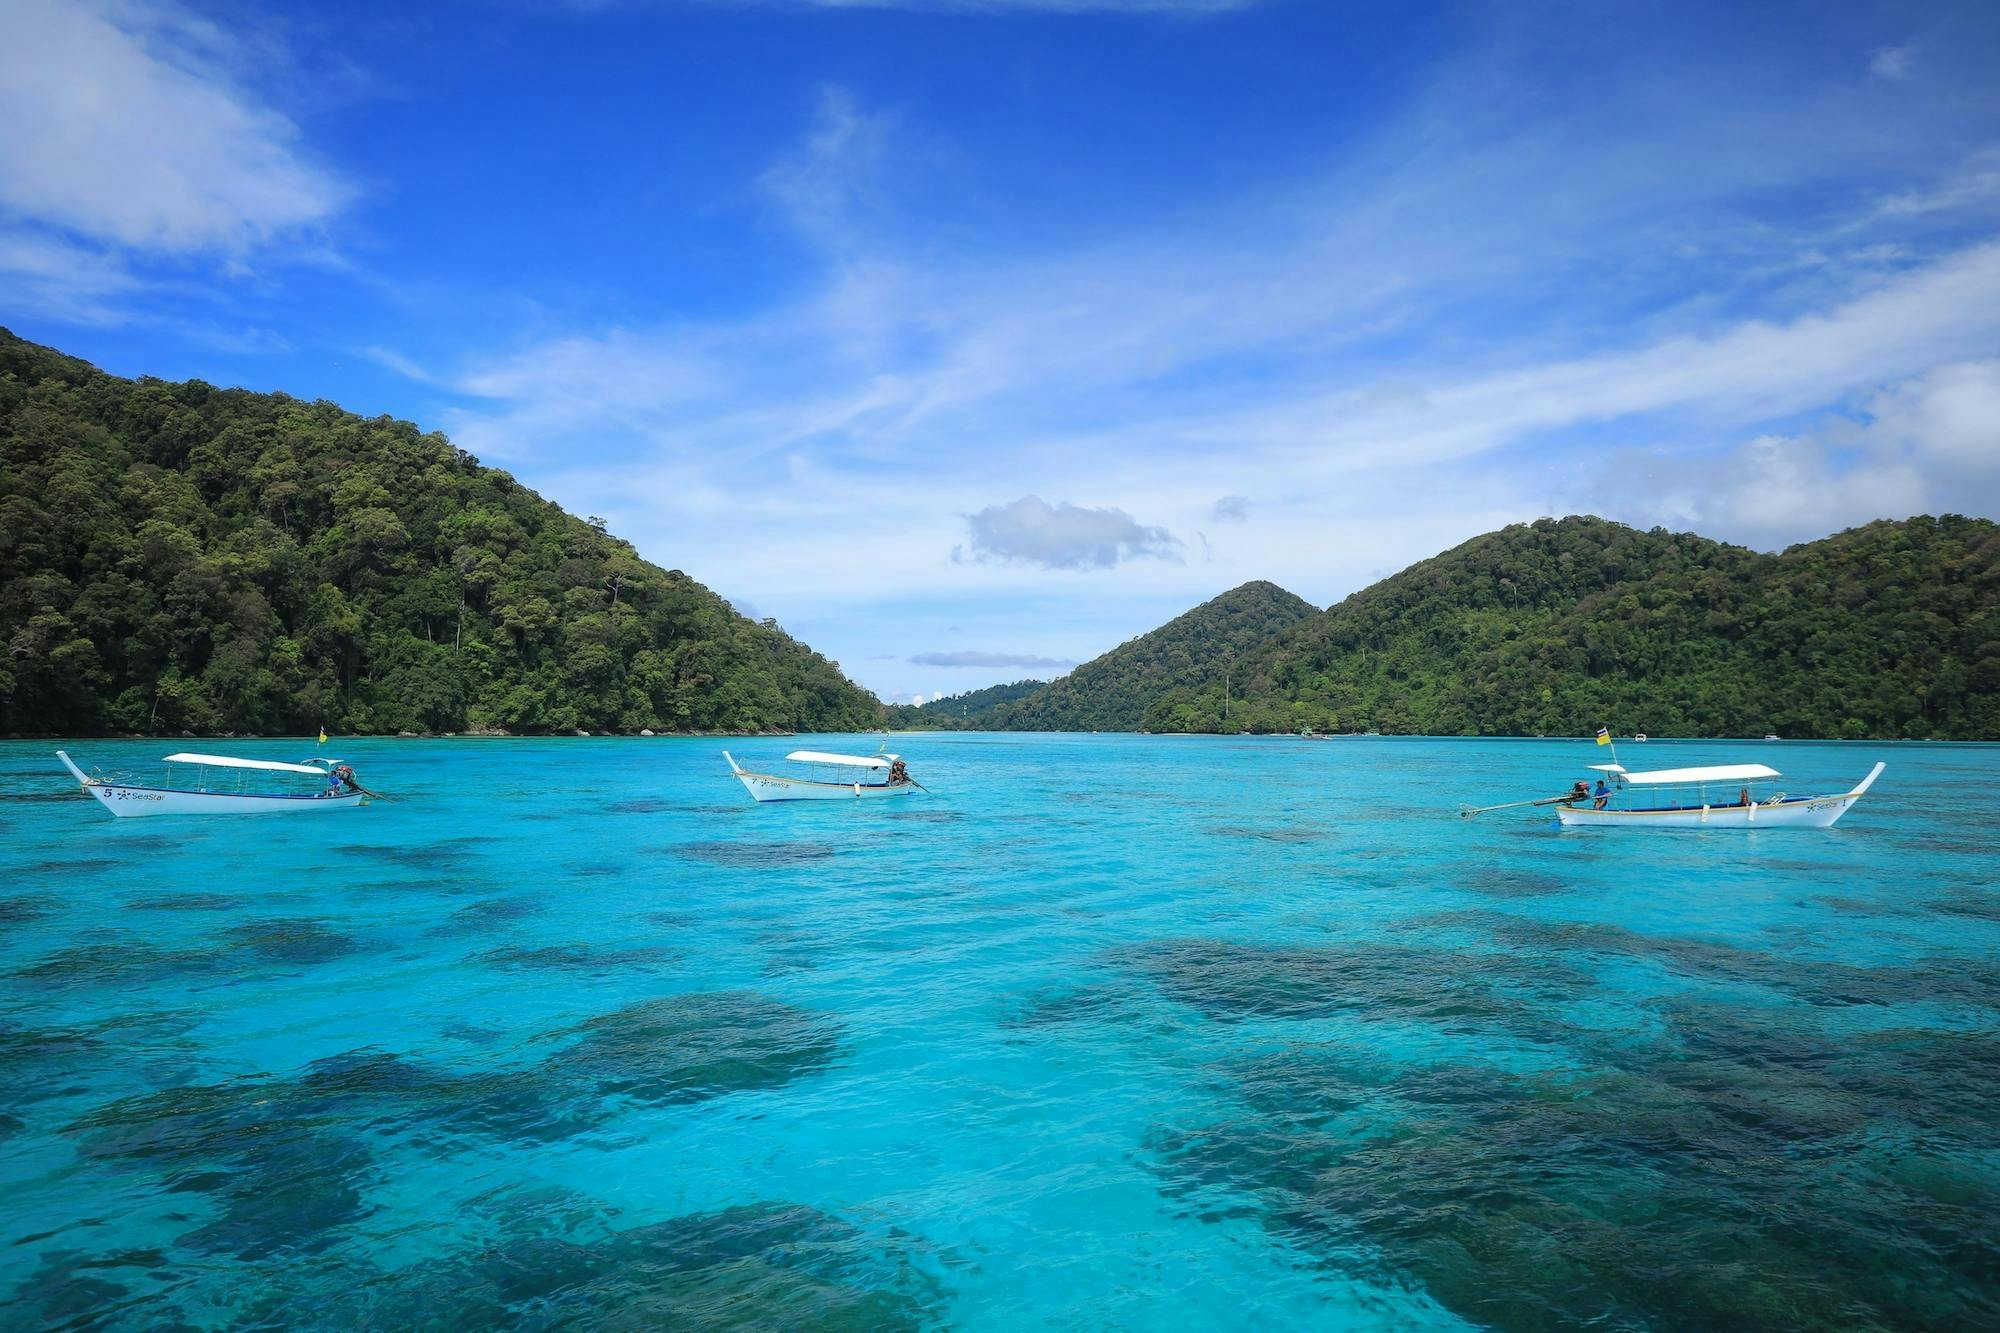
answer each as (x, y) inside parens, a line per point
(1064, 536)
(979, 659)
(1230, 509)
(1892, 62)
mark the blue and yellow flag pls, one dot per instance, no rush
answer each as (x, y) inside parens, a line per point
(322, 735)
(1603, 736)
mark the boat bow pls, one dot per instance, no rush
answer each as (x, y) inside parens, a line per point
(1868, 781)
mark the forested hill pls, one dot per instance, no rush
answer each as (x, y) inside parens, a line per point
(1112, 692)
(177, 556)
(963, 712)
(1560, 626)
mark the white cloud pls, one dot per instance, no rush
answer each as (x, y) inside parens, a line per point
(1976, 183)
(975, 658)
(1951, 416)
(1929, 444)
(390, 359)
(1766, 493)
(127, 137)
(739, 479)
(824, 182)
(1230, 509)
(1064, 536)
(1892, 62)
(56, 277)
(1046, 6)
(1190, 7)
(1751, 371)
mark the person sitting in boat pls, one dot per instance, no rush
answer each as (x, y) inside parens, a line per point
(1743, 797)
(899, 773)
(1603, 795)
(341, 778)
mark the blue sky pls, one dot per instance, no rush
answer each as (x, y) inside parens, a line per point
(971, 339)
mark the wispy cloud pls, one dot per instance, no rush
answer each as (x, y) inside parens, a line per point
(1977, 183)
(408, 367)
(1375, 474)
(122, 129)
(1928, 444)
(54, 276)
(970, 658)
(128, 141)
(1892, 62)
(1189, 7)
(825, 183)
(1752, 370)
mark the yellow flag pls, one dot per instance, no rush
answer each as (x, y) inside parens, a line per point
(1603, 736)
(322, 735)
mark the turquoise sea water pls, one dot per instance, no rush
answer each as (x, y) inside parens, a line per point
(1118, 1031)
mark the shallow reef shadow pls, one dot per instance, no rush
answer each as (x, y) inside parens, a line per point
(1740, 1169)
(755, 855)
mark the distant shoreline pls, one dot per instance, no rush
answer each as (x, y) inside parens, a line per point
(965, 731)
(310, 738)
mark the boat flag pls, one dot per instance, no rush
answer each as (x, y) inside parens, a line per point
(1603, 736)
(322, 735)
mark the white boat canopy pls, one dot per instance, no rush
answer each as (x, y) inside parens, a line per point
(1720, 773)
(851, 760)
(228, 761)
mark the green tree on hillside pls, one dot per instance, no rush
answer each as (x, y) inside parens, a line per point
(1188, 653)
(179, 556)
(1559, 626)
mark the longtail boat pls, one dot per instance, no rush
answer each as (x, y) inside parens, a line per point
(216, 784)
(1720, 796)
(830, 780)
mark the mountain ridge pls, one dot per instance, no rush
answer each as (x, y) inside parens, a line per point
(176, 556)
(1888, 629)
(1110, 692)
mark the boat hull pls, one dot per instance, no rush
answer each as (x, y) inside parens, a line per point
(1813, 812)
(770, 787)
(135, 802)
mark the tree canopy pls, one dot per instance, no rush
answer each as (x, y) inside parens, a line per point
(1563, 625)
(1189, 653)
(965, 711)
(178, 556)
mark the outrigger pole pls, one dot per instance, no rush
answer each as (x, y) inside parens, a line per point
(1468, 811)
